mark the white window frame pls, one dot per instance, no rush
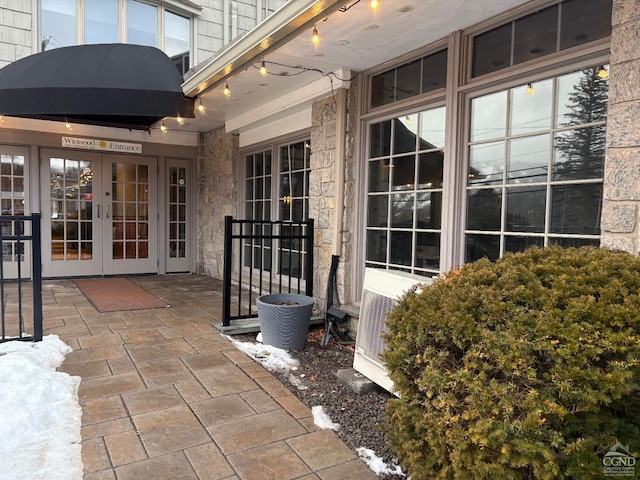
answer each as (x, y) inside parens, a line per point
(427, 271)
(505, 186)
(177, 7)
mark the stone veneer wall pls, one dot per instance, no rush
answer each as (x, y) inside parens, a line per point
(322, 203)
(219, 182)
(621, 203)
(217, 197)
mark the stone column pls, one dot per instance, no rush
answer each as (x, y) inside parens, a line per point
(217, 197)
(322, 201)
(621, 202)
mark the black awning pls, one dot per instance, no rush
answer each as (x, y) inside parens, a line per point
(120, 85)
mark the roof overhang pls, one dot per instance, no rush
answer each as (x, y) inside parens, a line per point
(284, 25)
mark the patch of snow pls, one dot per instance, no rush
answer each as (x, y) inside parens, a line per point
(297, 382)
(40, 415)
(259, 337)
(322, 420)
(377, 464)
(268, 356)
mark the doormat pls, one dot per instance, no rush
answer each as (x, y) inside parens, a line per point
(116, 294)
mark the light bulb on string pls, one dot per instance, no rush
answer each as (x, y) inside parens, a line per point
(603, 73)
(263, 70)
(530, 89)
(201, 108)
(180, 120)
(315, 38)
(375, 4)
(163, 129)
(226, 91)
(67, 124)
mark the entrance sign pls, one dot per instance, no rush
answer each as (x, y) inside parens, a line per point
(104, 145)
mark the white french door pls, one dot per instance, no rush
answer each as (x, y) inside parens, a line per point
(177, 256)
(99, 214)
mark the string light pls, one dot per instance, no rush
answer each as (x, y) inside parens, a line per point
(180, 120)
(68, 125)
(375, 4)
(530, 89)
(226, 91)
(263, 70)
(603, 73)
(200, 105)
(315, 38)
(163, 129)
(407, 120)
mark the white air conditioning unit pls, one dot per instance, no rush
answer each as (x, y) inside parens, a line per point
(380, 292)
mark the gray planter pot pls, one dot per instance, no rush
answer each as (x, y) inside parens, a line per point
(284, 319)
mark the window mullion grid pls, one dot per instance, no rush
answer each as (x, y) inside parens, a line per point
(414, 225)
(392, 163)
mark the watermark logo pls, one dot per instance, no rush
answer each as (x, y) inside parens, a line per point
(618, 462)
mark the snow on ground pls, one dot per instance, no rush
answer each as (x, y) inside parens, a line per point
(40, 415)
(322, 420)
(376, 464)
(297, 382)
(269, 357)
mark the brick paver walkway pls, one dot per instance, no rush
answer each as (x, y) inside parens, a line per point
(165, 396)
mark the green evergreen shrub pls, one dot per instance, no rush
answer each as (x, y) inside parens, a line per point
(525, 368)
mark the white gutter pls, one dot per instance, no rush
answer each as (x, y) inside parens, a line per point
(284, 25)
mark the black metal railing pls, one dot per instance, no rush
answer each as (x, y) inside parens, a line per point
(17, 246)
(264, 256)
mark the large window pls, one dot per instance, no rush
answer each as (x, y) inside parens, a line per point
(72, 22)
(405, 173)
(536, 162)
(287, 199)
(524, 164)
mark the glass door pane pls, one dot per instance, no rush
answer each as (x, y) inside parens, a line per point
(71, 211)
(130, 187)
(178, 235)
(131, 214)
(71, 201)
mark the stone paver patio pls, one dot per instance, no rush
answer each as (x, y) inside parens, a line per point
(165, 396)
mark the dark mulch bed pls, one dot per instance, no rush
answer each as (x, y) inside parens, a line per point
(360, 416)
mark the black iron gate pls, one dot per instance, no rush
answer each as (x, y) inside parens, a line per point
(16, 245)
(264, 256)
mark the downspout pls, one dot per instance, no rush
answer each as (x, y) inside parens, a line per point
(341, 134)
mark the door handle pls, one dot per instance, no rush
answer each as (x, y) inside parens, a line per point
(98, 210)
(106, 211)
